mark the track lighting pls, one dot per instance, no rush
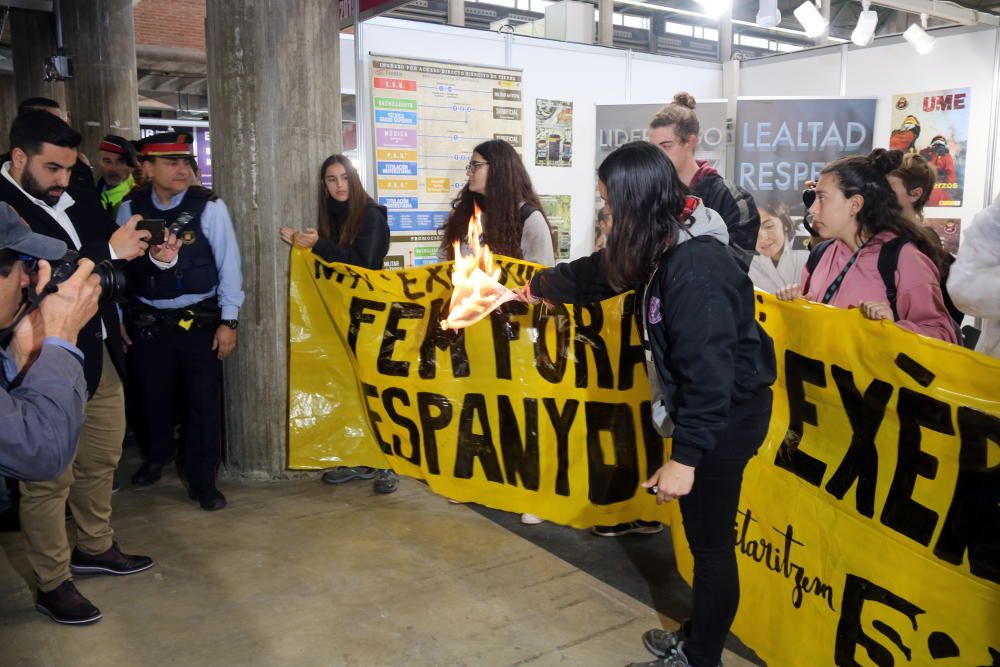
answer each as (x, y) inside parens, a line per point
(918, 37)
(864, 32)
(812, 21)
(768, 16)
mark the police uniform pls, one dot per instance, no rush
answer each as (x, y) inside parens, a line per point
(174, 312)
(111, 197)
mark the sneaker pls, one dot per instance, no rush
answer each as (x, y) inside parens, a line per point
(676, 658)
(112, 561)
(347, 474)
(386, 481)
(64, 604)
(115, 484)
(641, 527)
(661, 642)
(531, 520)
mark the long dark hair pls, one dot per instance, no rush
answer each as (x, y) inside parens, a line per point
(866, 176)
(357, 201)
(507, 185)
(646, 200)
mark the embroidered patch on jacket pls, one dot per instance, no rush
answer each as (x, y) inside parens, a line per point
(655, 314)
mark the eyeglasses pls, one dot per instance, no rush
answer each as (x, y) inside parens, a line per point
(473, 165)
(30, 263)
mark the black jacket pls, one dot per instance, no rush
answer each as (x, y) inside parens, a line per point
(708, 349)
(94, 228)
(735, 205)
(369, 248)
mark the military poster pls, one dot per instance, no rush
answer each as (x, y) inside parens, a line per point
(936, 126)
(783, 142)
(553, 133)
(428, 118)
(557, 211)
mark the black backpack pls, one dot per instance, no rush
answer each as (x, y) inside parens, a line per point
(888, 260)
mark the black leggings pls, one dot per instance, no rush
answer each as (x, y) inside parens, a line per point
(709, 514)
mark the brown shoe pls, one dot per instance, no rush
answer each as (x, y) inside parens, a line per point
(112, 561)
(64, 604)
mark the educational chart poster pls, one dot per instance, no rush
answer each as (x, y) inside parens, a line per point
(428, 118)
(553, 133)
(557, 210)
(781, 143)
(935, 125)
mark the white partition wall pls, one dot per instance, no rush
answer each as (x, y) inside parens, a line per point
(585, 75)
(962, 57)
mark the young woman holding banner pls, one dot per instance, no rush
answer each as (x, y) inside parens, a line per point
(856, 210)
(711, 368)
(352, 229)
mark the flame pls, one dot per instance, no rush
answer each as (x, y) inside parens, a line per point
(476, 282)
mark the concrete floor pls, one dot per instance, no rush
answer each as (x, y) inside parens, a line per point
(297, 573)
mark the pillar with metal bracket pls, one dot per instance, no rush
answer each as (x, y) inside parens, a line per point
(33, 40)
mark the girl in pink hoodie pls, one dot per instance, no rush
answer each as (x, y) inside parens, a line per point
(855, 208)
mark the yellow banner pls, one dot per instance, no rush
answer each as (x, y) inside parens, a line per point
(869, 524)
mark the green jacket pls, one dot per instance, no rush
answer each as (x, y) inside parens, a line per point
(112, 198)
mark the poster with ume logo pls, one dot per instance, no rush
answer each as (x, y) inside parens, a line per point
(935, 125)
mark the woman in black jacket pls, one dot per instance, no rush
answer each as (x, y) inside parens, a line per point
(711, 367)
(351, 229)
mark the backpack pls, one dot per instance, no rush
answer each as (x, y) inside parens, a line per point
(526, 211)
(888, 260)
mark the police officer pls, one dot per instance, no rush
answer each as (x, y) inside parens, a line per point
(182, 317)
(115, 162)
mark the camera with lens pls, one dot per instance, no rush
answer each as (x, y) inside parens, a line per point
(112, 277)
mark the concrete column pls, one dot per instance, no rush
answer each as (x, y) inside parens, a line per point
(605, 22)
(103, 93)
(8, 108)
(275, 109)
(33, 40)
(456, 12)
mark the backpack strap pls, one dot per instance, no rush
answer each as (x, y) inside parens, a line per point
(815, 254)
(527, 210)
(888, 260)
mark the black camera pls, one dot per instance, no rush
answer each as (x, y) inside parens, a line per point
(58, 68)
(112, 277)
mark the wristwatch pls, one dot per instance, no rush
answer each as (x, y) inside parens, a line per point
(232, 324)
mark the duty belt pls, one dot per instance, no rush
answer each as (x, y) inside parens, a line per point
(202, 314)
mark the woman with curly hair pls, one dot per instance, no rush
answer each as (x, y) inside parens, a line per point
(512, 218)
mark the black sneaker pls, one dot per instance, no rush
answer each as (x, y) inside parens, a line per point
(115, 484)
(641, 527)
(347, 473)
(112, 561)
(149, 473)
(662, 642)
(64, 604)
(386, 481)
(210, 499)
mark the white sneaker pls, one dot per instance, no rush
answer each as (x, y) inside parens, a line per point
(531, 519)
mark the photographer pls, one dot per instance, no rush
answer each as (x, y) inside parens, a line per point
(37, 183)
(42, 390)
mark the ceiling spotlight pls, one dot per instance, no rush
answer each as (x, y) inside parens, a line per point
(812, 21)
(918, 37)
(715, 7)
(864, 32)
(768, 16)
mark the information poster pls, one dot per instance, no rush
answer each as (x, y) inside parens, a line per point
(935, 125)
(428, 118)
(557, 210)
(949, 230)
(553, 133)
(781, 143)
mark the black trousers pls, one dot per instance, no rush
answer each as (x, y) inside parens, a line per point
(168, 364)
(709, 514)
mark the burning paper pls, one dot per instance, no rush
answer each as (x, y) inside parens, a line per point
(477, 291)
